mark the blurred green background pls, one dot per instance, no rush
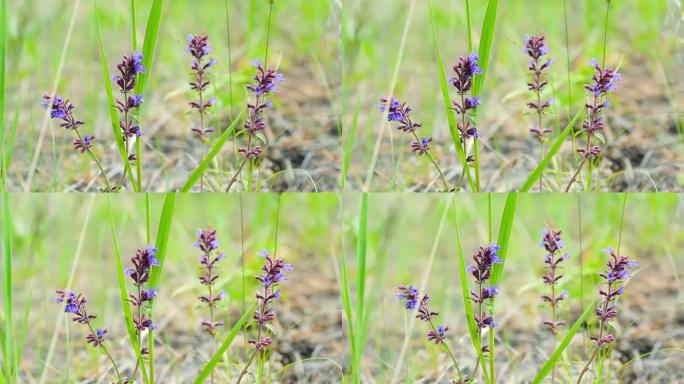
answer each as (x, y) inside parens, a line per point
(644, 41)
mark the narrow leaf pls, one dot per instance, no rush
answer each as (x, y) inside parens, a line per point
(206, 371)
(485, 47)
(215, 149)
(555, 356)
(536, 174)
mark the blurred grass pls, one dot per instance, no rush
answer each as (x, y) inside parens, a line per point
(372, 35)
(304, 27)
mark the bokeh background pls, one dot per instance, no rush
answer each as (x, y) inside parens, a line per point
(643, 146)
(302, 133)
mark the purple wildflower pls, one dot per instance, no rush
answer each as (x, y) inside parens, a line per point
(266, 83)
(83, 144)
(199, 49)
(603, 82)
(466, 68)
(536, 49)
(438, 336)
(481, 270)
(129, 68)
(274, 270)
(76, 305)
(143, 261)
(552, 243)
(421, 147)
(208, 244)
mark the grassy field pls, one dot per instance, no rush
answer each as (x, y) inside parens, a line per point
(341, 291)
(390, 50)
(53, 47)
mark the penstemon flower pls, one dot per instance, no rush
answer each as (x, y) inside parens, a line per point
(552, 243)
(63, 110)
(143, 261)
(614, 277)
(265, 84)
(603, 82)
(75, 304)
(484, 260)
(199, 49)
(437, 334)
(400, 113)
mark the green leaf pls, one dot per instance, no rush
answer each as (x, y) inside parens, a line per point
(9, 145)
(485, 47)
(215, 149)
(8, 335)
(123, 293)
(206, 371)
(361, 248)
(536, 174)
(447, 105)
(555, 356)
(118, 135)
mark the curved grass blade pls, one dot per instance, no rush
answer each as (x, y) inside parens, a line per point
(118, 136)
(206, 371)
(447, 104)
(503, 238)
(123, 292)
(8, 334)
(467, 305)
(536, 174)
(486, 40)
(161, 243)
(202, 167)
(151, 32)
(553, 359)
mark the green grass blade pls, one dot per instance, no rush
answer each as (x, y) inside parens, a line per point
(505, 228)
(536, 174)
(134, 32)
(215, 149)
(555, 356)
(346, 158)
(118, 136)
(467, 304)
(485, 47)
(346, 302)
(3, 63)
(206, 371)
(123, 293)
(447, 104)
(163, 230)
(9, 145)
(22, 334)
(8, 339)
(361, 248)
(149, 45)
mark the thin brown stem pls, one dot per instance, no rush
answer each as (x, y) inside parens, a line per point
(586, 367)
(244, 370)
(236, 175)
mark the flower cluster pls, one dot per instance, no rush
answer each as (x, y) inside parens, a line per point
(274, 270)
(143, 261)
(129, 68)
(617, 272)
(603, 82)
(63, 110)
(466, 68)
(76, 305)
(552, 243)
(208, 244)
(400, 113)
(410, 295)
(266, 83)
(484, 259)
(199, 49)
(536, 49)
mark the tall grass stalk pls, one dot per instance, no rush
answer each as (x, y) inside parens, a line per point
(3, 65)
(149, 45)
(423, 285)
(10, 363)
(390, 93)
(361, 248)
(46, 117)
